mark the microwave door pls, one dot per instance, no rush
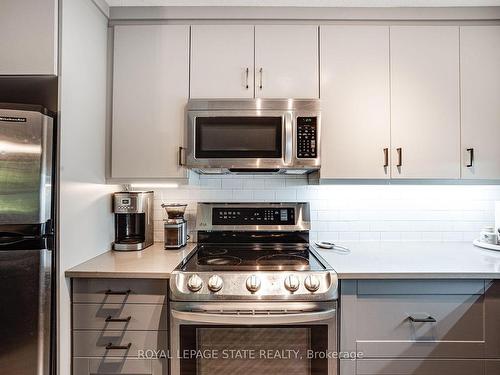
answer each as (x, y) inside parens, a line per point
(242, 140)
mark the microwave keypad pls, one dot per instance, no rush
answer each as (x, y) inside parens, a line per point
(306, 137)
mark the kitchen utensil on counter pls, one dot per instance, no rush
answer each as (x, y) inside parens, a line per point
(175, 226)
(331, 246)
(133, 220)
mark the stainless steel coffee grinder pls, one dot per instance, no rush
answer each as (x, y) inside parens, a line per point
(175, 226)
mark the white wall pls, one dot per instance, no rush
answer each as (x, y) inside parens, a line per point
(354, 212)
(86, 221)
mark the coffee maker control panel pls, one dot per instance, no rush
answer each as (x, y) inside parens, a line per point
(131, 202)
(125, 205)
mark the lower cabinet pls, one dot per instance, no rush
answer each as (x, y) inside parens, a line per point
(109, 366)
(420, 367)
(492, 367)
(420, 327)
(120, 327)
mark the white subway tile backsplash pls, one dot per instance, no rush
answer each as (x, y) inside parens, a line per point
(264, 195)
(352, 212)
(236, 183)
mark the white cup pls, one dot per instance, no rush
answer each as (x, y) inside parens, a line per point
(488, 235)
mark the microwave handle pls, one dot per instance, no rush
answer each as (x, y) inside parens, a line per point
(288, 138)
(246, 319)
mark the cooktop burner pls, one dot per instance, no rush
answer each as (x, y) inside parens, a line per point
(218, 260)
(256, 257)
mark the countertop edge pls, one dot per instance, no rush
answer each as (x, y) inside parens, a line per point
(417, 276)
(117, 275)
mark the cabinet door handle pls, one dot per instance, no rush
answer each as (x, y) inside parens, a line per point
(180, 156)
(400, 157)
(118, 292)
(118, 320)
(110, 346)
(429, 319)
(386, 157)
(260, 75)
(471, 157)
(247, 71)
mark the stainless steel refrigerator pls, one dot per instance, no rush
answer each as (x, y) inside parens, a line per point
(27, 260)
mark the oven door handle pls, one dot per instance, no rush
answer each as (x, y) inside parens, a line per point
(246, 319)
(288, 138)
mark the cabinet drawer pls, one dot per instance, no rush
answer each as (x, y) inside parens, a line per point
(129, 366)
(385, 327)
(139, 317)
(419, 367)
(120, 291)
(416, 287)
(94, 343)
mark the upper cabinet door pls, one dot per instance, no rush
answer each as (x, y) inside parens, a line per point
(222, 61)
(28, 37)
(150, 91)
(355, 102)
(286, 61)
(480, 84)
(425, 104)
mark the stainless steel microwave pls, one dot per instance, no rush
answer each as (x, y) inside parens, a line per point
(275, 136)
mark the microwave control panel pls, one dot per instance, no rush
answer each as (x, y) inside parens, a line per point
(306, 137)
(252, 216)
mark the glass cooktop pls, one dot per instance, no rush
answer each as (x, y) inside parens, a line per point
(258, 257)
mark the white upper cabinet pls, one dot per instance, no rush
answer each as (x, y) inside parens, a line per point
(425, 105)
(480, 84)
(222, 61)
(355, 102)
(28, 37)
(150, 91)
(286, 61)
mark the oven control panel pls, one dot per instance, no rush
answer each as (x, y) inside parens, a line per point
(307, 137)
(257, 285)
(253, 216)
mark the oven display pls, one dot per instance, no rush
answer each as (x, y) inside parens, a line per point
(253, 216)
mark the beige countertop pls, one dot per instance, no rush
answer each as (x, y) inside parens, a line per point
(152, 263)
(365, 260)
(413, 260)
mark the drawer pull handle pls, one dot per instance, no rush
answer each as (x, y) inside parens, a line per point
(117, 292)
(110, 346)
(119, 320)
(429, 319)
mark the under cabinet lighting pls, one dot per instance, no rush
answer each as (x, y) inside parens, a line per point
(168, 185)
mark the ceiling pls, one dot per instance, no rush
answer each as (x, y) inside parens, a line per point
(308, 3)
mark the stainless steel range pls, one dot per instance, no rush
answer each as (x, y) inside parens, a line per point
(253, 288)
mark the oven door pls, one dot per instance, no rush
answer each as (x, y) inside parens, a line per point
(289, 339)
(239, 139)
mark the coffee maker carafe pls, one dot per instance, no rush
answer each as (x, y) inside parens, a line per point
(175, 226)
(133, 220)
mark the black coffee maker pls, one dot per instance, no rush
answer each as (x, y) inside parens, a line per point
(133, 220)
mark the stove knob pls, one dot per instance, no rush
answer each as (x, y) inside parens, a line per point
(215, 283)
(292, 283)
(194, 283)
(311, 283)
(253, 284)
